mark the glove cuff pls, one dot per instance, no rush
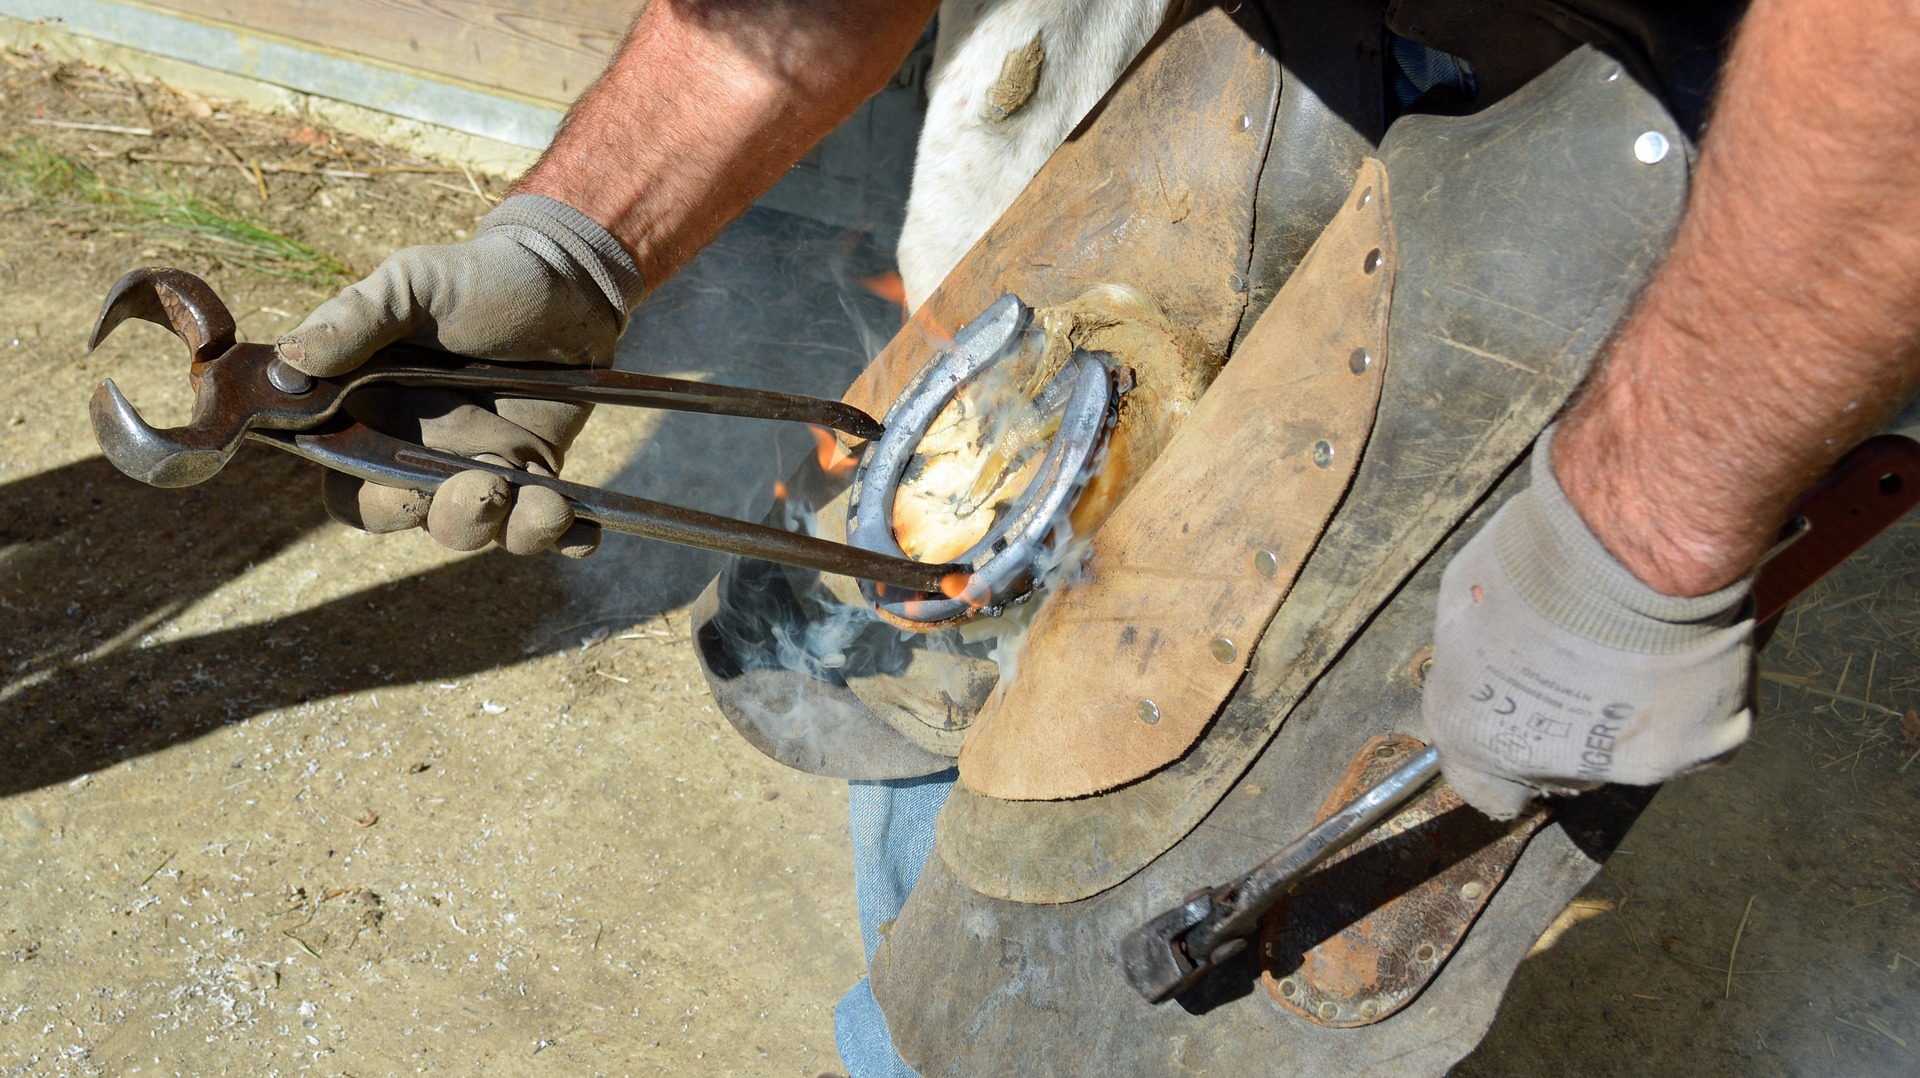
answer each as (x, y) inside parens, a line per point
(1566, 574)
(590, 246)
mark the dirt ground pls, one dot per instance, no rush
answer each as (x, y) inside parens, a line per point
(281, 798)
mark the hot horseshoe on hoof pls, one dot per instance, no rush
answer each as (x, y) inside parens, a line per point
(1001, 567)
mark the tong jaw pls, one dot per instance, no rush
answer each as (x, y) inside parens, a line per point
(181, 456)
(154, 457)
(172, 298)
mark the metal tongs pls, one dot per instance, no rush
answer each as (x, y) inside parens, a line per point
(245, 392)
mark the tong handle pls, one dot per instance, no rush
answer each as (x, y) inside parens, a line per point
(365, 453)
(408, 365)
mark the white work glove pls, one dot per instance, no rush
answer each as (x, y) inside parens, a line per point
(1556, 670)
(539, 282)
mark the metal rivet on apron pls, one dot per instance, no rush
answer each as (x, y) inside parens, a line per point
(1266, 563)
(1419, 664)
(1223, 649)
(1237, 283)
(1148, 711)
(1651, 147)
(1366, 198)
(1245, 122)
(1372, 261)
(1322, 454)
(1359, 360)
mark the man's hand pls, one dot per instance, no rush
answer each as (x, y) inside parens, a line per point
(541, 282)
(1783, 328)
(1555, 669)
(706, 105)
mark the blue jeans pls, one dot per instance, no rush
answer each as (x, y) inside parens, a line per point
(892, 828)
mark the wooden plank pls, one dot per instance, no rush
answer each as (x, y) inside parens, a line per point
(223, 49)
(548, 50)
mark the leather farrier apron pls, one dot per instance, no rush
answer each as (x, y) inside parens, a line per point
(1402, 308)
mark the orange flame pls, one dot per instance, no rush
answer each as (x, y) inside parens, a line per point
(890, 287)
(959, 586)
(834, 460)
(923, 322)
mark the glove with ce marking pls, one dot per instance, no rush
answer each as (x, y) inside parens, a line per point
(539, 282)
(1555, 669)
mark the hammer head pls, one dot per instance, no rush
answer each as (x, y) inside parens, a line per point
(1154, 957)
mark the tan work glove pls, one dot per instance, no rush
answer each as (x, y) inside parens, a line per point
(539, 282)
(1556, 670)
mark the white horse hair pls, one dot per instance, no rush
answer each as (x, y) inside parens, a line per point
(1010, 80)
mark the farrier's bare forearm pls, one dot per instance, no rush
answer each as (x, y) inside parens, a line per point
(1785, 324)
(707, 104)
